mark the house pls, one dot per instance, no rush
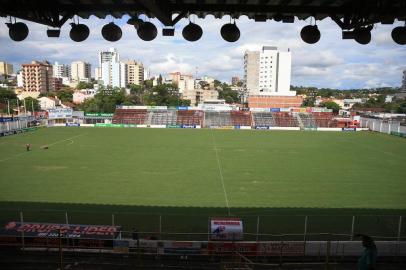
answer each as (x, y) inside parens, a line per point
(82, 95)
(48, 102)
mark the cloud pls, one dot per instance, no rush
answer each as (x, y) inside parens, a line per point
(332, 62)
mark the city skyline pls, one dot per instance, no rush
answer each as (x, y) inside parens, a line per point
(332, 62)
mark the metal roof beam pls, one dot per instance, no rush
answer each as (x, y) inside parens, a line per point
(160, 9)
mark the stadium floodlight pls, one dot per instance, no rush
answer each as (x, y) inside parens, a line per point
(79, 32)
(399, 35)
(310, 34)
(17, 31)
(147, 31)
(363, 35)
(192, 32)
(111, 32)
(230, 32)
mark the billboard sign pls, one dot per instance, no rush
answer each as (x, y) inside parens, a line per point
(51, 230)
(60, 113)
(226, 229)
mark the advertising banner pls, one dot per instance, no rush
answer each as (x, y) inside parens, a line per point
(228, 248)
(349, 129)
(41, 115)
(99, 114)
(72, 124)
(30, 229)
(173, 126)
(182, 108)
(157, 107)
(262, 127)
(60, 113)
(6, 119)
(179, 247)
(275, 110)
(226, 229)
(188, 126)
(281, 248)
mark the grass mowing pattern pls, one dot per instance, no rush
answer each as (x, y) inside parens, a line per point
(139, 173)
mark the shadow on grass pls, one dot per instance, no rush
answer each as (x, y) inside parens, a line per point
(270, 223)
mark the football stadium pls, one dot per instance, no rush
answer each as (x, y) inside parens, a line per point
(202, 146)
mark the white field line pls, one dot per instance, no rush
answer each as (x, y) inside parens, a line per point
(71, 142)
(220, 172)
(68, 139)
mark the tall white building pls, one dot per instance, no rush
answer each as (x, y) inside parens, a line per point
(111, 71)
(60, 70)
(80, 71)
(268, 71)
(108, 56)
(114, 74)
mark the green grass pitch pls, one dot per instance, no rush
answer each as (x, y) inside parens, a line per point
(187, 175)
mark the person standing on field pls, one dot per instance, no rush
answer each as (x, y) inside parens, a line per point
(28, 147)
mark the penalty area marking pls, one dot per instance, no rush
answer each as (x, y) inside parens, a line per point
(220, 172)
(68, 139)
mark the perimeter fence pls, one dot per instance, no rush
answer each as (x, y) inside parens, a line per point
(383, 125)
(195, 227)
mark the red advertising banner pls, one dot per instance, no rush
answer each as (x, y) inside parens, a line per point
(52, 230)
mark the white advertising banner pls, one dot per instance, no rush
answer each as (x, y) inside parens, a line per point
(226, 229)
(59, 113)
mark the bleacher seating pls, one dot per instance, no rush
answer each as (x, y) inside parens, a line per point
(324, 119)
(307, 120)
(189, 117)
(217, 119)
(162, 117)
(130, 116)
(285, 119)
(223, 118)
(241, 118)
(263, 119)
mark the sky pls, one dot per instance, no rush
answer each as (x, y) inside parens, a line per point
(330, 63)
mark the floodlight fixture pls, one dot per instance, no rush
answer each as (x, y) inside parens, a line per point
(192, 32)
(111, 32)
(310, 34)
(79, 32)
(17, 31)
(147, 31)
(230, 32)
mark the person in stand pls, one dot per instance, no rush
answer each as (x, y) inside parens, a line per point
(28, 147)
(367, 261)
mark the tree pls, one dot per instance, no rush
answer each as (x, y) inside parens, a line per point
(216, 83)
(65, 95)
(230, 96)
(6, 94)
(84, 85)
(135, 89)
(32, 104)
(308, 102)
(331, 105)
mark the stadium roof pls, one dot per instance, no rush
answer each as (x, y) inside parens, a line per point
(347, 13)
(355, 17)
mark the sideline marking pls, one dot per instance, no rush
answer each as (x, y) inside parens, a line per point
(68, 139)
(220, 172)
